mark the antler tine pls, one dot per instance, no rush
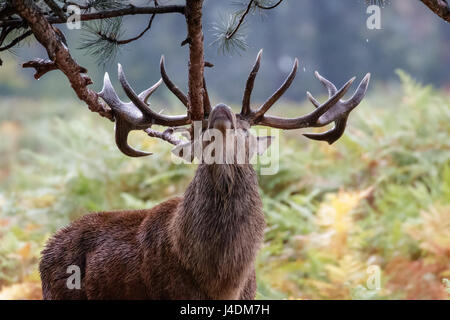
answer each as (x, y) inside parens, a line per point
(246, 110)
(345, 107)
(122, 130)
(125, 117)
(312, 99)
(145, 109)
(337, 131)
(339, 112)
(172, 87)
(327, 84)
(132, 95)
(331, 104)
(145, 95)
(277, 95)
(135, 115)
(331, 135)
(359, 93)
(109, 94)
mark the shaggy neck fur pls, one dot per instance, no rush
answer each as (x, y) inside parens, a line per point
(219, 227)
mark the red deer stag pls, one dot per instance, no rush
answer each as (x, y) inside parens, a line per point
(199, 246)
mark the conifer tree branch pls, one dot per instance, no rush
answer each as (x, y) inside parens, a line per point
(60, 55)
(16, 40)
(439, 7)
(252, 3)
(126, 41)
(105, 14)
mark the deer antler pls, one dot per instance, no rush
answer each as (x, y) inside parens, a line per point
(170, 85)
(334, 134)
(137, 114)
(333, 110)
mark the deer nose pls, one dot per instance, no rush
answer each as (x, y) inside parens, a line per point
(221, 118)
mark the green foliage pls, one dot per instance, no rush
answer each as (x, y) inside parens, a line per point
(396, 149)
(378, 197)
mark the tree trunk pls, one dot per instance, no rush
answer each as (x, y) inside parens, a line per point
(196, 58)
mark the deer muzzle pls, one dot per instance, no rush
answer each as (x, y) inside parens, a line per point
(222, 118)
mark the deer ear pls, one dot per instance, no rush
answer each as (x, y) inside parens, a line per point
(263, 143)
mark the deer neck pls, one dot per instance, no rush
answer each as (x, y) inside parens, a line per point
(219, 225)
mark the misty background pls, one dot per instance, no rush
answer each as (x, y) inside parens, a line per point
(328, 36)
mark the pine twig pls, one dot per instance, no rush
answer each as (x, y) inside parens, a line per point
(247, 11)
(126, 41)
(166, 135)
(241, 20)
(16, 40)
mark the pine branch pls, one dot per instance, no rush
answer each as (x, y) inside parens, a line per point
(229, 34)
(439, 7)
(101, 39)
(105, 14)
(106, 37)
(42, 66)
(4, 34)
(59, 54)
(222, 29)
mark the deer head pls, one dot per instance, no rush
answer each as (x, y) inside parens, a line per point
(137, 115)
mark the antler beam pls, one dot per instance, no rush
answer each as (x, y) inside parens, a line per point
(137, 114)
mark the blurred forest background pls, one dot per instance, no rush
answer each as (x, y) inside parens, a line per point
(379, 197)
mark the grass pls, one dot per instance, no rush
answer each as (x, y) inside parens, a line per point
(366, 218)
